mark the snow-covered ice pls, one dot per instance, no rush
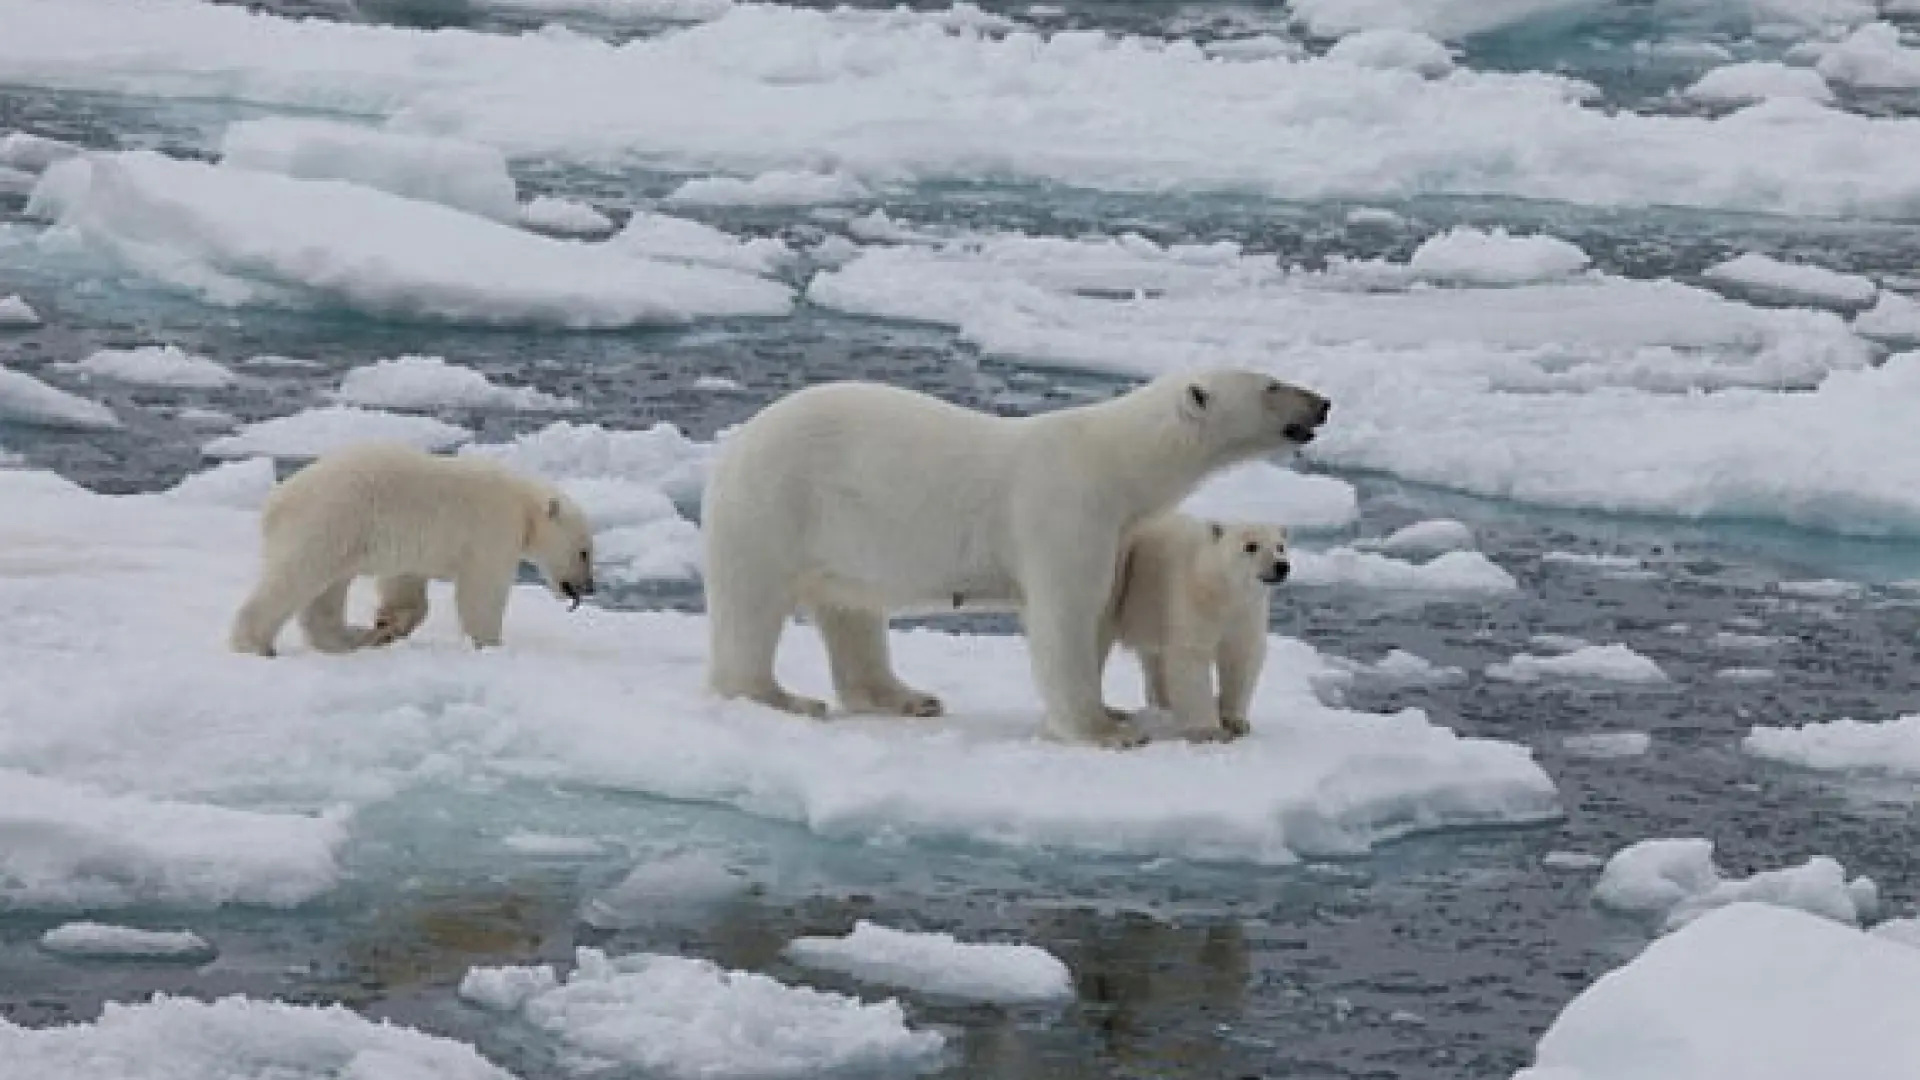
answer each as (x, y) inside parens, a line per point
(1892, 317)
(889, 94)
(464, 175)
(1872, 58)
(689, 1019)
(186, 724)
(1391, 49)
(1753, 991)
(313, 432)
(1798, 282)
(1617, 663)
(155, 365)
(1758, 80)
(779, 188)
(430, 382)
(17, 313)
(33, 153)
(688, 878)
(107, 941)
(938, 965)
(1431, 537)
(1454, 573)
(622, 10)
(235, 1038)
(677, 239)
(234, 236)
(569, 217)
(27, 400)
(1614, 744)
(1261, 491)
(1844, 745)
(1468, 256)
(1676, 882)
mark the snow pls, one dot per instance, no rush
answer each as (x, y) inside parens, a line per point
(887, 95)
(14, 312)
(33, 153)
(242, 485)
(1798, 282)
(1752, 991)
(1903, 931)
(778, 188)
(1455, 573)
(1892, 316)
(155, 365)
(185, 725)
(1843, 745)
(463, 175)
(1605, 663)
(312, 432)
(26, 400)
(236, 1038)
(1585, 393)
(103, 940)
(430, 382)
(569, 217)
(1261, 491)
(234, 237)
(1465, 255)
(1390, 49)
(675, 239)
(1676, 882)
(71, 846)
(1430, 537)
(1872, 58)
(1609, 745)
(937, 965)
(1758, 80)
(678, 1017)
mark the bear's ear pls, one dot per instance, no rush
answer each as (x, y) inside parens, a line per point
(553, 508)
(1196, 399)
(1216, 529)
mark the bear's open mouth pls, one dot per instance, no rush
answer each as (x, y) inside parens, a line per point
(1298, 433)
(568, 590)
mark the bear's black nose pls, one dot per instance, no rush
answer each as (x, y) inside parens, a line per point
(1279, 572)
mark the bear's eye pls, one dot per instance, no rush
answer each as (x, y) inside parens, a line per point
(1253, 548)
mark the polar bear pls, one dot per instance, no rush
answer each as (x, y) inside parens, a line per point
(1191, 595)
(407, 517)
(854, 500)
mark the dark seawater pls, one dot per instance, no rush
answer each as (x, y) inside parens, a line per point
(1443, 956)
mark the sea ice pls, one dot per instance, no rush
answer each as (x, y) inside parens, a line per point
(15, 312)
(1615, 744)
(1592, 560)
(1390, 49)
(622, 10)
(1603, 663)
(106, 941)
(1468, 256)
(679, 240)
(688, 878)
(155, 365)
(937, 965)
(779, 188)
(689, 1019)
(1676, 881)
(1892, 316)
(1758, 80)
(1261, 491)
(1746, 674)
(234, 236)
(274, 743)
(1843, 745)
(1463, 573)
(1821, 589)
(430, 382)
(1799, 282)
(1753, 991)
(1450, 19)
(538, 843)
(26, 400)
(313, 432)
(240, 485)
(33, 153)
(463, 175)
(1873, 58)
(1431, 537)
(234, 1038)
(569, 217)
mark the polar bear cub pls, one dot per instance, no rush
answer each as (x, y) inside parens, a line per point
(1192, 595)
(406, 517)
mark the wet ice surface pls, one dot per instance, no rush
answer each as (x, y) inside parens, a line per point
(1440, 956)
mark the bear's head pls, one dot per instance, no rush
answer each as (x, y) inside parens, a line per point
(1254, 551)
(560, 545)
(1243, 414)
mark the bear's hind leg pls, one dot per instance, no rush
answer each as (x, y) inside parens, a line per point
(1063, 613)
(863, 675)
(323, 620)
(281, 591)
(743, 627)
(403, 607)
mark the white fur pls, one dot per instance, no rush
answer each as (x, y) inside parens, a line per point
(407, 517)
(1193, 595)
(854, 500)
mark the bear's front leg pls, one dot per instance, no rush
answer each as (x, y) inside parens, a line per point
(1242, 653)
(402, 609)
(1187, 674)
(1063, 611)
(481, 599)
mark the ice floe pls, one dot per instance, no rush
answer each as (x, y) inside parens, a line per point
(155, 365)
(107, 941)
(1676, 881)
(1891, 746)
(313, 432)
(938, 965)
(1616, 663)
(430, 382)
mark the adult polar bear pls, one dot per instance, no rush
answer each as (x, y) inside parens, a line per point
(853, 500)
